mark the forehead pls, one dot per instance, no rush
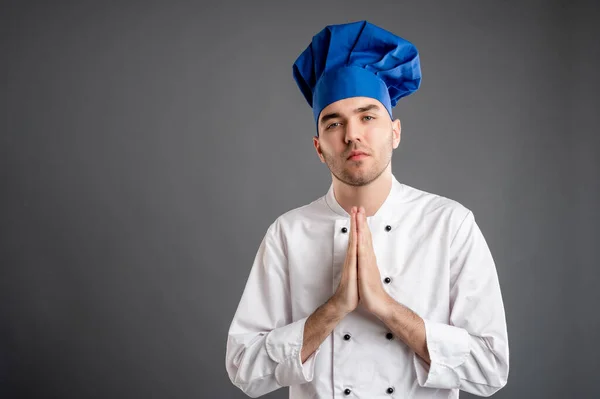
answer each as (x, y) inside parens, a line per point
(349, 105)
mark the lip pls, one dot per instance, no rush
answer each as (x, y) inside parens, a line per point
(355, 155)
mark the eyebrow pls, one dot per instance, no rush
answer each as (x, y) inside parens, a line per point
(358, 110)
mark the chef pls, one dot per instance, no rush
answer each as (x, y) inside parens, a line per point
(377, 289)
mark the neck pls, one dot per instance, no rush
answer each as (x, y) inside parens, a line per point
(371, 196)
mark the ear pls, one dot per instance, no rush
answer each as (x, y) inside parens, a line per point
(397, 132)
(317, 145)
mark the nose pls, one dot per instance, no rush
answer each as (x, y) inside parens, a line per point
(352, 132)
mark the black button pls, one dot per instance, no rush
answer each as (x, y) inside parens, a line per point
(347, 391)
(344, 230)
(390, 390)
(389, 336)
(347, 337)
(388, 227)
(387, 280)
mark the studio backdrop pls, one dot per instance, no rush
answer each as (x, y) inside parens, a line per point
(147, 146)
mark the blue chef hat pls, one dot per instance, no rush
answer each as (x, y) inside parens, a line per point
(357, 59)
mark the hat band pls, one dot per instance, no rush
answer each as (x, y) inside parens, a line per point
(346, 82)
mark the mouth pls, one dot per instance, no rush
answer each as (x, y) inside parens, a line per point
(355, 156)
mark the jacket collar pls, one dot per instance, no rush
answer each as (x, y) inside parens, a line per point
(384, 213)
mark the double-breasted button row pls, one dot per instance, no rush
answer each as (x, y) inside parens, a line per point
(348, 391)
(388, 336)
(387, 228)
(386, 280)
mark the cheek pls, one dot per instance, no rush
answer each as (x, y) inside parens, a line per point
(332, 149)
(380, 139)
(327, 153)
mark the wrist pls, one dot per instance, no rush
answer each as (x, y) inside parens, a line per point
(385, 308)
(335, 309)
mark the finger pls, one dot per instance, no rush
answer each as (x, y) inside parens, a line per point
(360, 230)
(353, 230)
(352, 252)
(362, 226)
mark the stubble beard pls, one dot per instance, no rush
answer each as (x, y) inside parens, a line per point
(339, 167)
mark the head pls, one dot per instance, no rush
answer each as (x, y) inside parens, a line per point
(356, 124)
(352, 75)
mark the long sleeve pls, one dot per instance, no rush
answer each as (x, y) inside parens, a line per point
(471, 352)
(264, 344)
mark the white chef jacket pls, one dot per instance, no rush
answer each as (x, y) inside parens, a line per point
(432, 258)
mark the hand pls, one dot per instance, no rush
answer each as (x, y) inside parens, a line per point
(370, 289)
(346, 297)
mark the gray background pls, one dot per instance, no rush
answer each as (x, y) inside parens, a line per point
(146, 147)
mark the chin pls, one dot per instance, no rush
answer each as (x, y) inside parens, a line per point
(361, 178)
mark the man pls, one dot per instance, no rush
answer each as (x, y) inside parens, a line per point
(376, 289)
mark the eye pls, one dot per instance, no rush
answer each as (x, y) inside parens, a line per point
(368, 117)
(332, 125)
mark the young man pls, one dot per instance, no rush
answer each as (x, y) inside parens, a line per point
(377, 289)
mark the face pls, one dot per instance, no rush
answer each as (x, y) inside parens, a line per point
(361, 126)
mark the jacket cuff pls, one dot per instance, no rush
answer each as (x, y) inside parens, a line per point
(448, 348)
(284, 346)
